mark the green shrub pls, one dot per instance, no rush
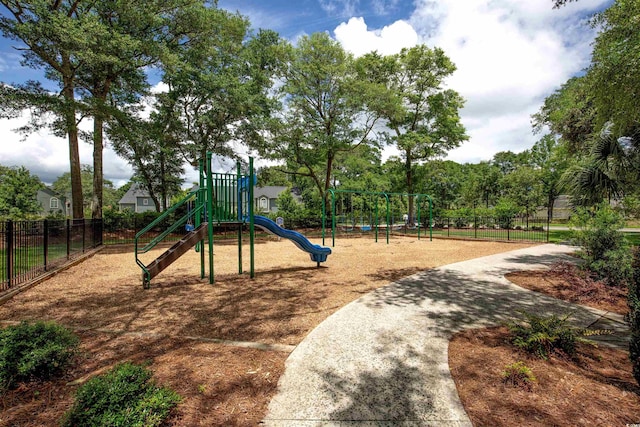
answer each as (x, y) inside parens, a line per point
(634, 315)
(519, 375)
(124, 396)
(543, 335)
(603, 246)
(459, 218)
(31, 351)
(505, 211)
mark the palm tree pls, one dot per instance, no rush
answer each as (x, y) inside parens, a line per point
(608, 172)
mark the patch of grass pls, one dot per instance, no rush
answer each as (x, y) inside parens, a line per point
(558, 236)
(519, 375)
(632, 238)
(125, 396)
(492, 234)
(38, 350)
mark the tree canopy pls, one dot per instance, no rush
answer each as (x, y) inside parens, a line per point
(325, 114)
(18, 190)
(615, 69)
(596, 117)
(426, 123)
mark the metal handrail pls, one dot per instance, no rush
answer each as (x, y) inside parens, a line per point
(166, 213)
(160, 237)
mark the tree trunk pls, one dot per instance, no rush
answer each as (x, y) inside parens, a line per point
(409, 172)
(77, 202)
(327, 184)
(98, 145)
(100, 91)
(163, 180)
(550, 201)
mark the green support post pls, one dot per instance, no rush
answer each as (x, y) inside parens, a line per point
(324, 216)
(376, 218)
(388, 215)
(333, 218)
(251, 223)
(238, 198)
(210, 215)
(430, 218)
(199, 202)
(418, 203)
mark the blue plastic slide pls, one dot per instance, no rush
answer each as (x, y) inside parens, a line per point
(318, 253)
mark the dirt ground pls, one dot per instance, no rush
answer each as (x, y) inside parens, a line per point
(177, 326)
(594, 388)
(567, 282)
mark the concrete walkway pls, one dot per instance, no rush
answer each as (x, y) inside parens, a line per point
(382, 359)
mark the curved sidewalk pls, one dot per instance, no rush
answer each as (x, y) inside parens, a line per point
(382, 359)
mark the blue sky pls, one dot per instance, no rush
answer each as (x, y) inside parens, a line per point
(510, 55)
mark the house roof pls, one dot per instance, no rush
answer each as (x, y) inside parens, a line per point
(48, 191)
(133, 193)
(562, 202)
(268, 191)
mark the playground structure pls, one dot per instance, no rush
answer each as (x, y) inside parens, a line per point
(219, 199)
(369, 212)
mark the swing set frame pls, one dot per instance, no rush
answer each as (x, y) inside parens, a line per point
(376, 223)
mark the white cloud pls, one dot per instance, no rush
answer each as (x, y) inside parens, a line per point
(510, 55)
(384, 7)
(356, 38)
(340, 7)
(491, 135)
(47, 156)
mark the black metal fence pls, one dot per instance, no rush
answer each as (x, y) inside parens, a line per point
(31, 248)
(523, 229)
(119, 231)
(122, 230)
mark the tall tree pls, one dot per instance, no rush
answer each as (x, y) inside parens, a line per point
(428, 124)
(570, 113)
(523, 187)
(596, 114)
(152, 150)
(18, 190)
(614, 74)
(550, 158)
(482, 184)
(52, 34)
(218, 85)
(62, 185)
(508, 161)
(128, 37)
(91, 50)
(325, 115)
(442, 180)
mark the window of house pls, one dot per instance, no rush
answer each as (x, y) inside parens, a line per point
(145, 202)
(54, 203)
